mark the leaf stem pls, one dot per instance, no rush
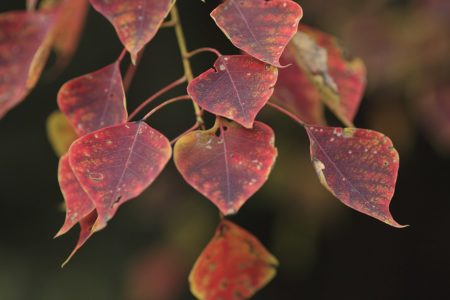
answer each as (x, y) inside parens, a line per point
(287, 113)
(165, 103)
(31, 5)
(201, 50)
(156, 95)
(131, 71)
(183, 50)
(196, 125)
(122, 55)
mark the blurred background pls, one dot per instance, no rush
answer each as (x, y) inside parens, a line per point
(325, 249)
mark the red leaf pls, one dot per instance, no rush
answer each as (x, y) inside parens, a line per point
(261, 28)
(94, 100)
(118, 163)
(229, 168)
(136, 21)
(24, 47)
(237, 89)
(234, 265)
(78, 203)
(357, 166)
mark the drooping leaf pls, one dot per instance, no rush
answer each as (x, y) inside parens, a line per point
(136, 21)
(234, 265)
(24, 47)
(94, 100)
(358, 166)
(78, 203)
(118, 163)
(228, 163)
(340, 80)
(60, 133)
(261, 28)
(238, 88)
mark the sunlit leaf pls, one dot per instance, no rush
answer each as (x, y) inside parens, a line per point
(118, 163)
(24, 47)
(228, 163)
(78, 203)
(136, 21)
(357, 166)
(94, 100)
(237, 88)
(60, 133)
(261, 28)
(234, 265)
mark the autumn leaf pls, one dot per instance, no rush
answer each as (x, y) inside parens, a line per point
(117, 163)
(60, 133)
(237, 88)
(358, 166)
(228, 163)
(95, 100)
(261, 28)
(24, 47)
(136, 21)
(234, 265)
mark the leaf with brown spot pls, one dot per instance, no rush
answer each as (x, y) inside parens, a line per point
(234, 265)
(228, 163)
(340, 80)
(60, 133)
(237, 88)
(261, 28)
(136, 21)
(95, 100)
(25, 41)
(78, 203)
(117, 163)
(358, 166)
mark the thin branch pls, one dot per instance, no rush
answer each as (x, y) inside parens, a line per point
(165, 103)
(31, 5)
(196, 125)
(287, 113)
(122, 55)
(201, 50)
(131, 71)
(168, 24)
(156, 95)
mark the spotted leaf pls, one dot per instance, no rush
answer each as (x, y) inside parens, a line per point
(117, 163)
(358, 166)
(24, 47)
(60, 133)
(234, 265)
(238, 88)
(228, 163)
(78, 203)
(95, 100)
(261, 28)
(136, 21)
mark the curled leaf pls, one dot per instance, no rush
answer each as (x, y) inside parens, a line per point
(234, 265)
(358, 166)
(228, 163)
(237, 88)
(261, 28)
(60, 133)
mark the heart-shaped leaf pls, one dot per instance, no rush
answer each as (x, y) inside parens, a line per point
(94, 100)
(60, 133)
(117, 163)
(261, 28)
(228, 163)
(25, 41)
(136, 21)
(234, 265)
(78, 203)
(237, 89)
(358, 166)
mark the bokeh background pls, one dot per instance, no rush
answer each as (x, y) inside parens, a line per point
(325, 249)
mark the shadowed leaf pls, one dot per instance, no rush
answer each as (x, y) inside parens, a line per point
(136, 21)
(228, 163)
(60, 133)
(261, 28)
(358, 166)
(118, 163)
(238, 88)
(78, 203)
(24, 47)
(94, 100)
(234, 265)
